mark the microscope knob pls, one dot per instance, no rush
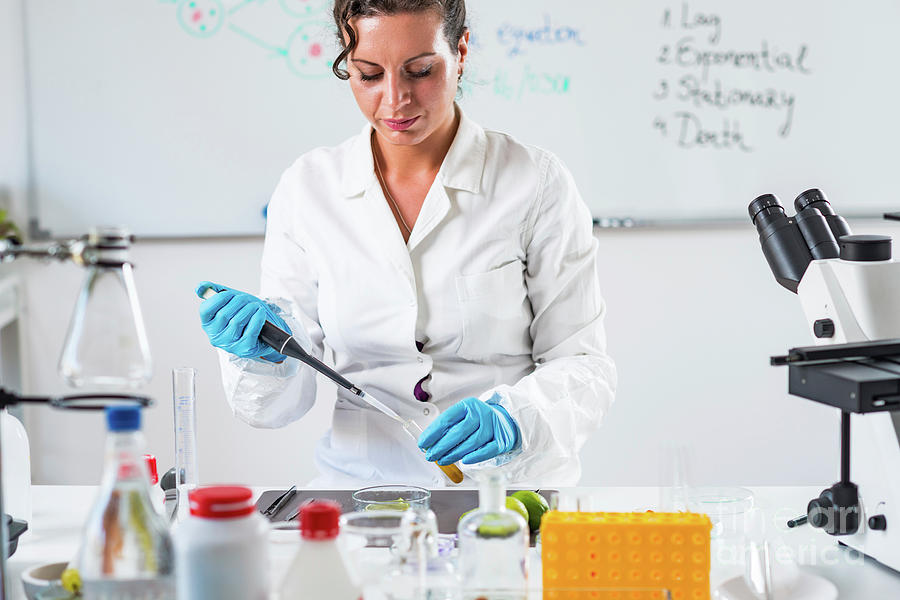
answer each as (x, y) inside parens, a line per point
(823, 328)
(818, 511)
(878, 522)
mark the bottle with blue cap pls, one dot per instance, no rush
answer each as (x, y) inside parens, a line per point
(126, 550)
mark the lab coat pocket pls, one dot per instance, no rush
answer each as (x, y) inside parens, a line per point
(495, 312)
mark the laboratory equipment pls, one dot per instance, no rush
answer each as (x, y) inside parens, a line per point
(107, 303)
(649, 550)
(391, 497)
(849, 301)
(280, 502)
(493, 544)
(88, 251)
(126, 550)
(365, 538)
(43, 578)
(11, 529)
(319, 569)
(221, 550)
(285, 344)
(419, 571)
(726, 507)
(15, 528)
(184, 402)
(16, 456)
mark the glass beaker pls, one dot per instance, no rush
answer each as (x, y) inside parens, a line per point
(391, 497)
(365, 537)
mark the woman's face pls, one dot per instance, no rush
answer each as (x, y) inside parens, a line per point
(404, 75)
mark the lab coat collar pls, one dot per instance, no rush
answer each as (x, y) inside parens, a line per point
(462, 167)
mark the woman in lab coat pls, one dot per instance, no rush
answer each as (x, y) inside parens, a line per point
(451, 269)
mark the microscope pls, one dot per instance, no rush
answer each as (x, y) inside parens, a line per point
(849, 288)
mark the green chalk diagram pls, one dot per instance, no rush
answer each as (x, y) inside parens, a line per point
(307, 51)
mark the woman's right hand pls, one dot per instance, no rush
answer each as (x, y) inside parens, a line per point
(233, 319)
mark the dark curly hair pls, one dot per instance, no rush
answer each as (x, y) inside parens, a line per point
(452, 11)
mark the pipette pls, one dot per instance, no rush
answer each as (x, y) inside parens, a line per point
(284, 343)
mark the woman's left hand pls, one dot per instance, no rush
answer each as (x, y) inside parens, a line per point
(472, 431)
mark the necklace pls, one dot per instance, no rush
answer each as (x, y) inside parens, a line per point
(387, 192)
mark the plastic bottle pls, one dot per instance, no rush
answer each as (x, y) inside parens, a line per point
(157, 494)
(221, 550)
(493, 544)
(418, 571)
(16, 468)
(319, 569)
(126, 551)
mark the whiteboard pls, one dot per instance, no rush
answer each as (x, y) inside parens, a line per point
(176, 117)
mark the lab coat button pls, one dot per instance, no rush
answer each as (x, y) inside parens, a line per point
(426, 411)
(420, 359)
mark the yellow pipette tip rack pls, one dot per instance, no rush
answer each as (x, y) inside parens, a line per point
(649, 551)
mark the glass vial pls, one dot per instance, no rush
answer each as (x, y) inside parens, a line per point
(418, 571)
(493, 545)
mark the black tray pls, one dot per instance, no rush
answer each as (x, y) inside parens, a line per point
(448, 504)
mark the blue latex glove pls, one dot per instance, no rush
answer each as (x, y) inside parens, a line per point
(233, 319)
(471, 431)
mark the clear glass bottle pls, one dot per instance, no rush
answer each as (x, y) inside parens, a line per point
(126, 551)
(418, 572)
(106, 345)
(493, 545)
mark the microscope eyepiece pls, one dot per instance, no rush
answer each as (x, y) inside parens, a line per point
(766, 202)
(815, 198)
(812, 196)
(782, 243)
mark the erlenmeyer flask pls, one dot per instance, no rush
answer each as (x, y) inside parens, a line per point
(107, 344)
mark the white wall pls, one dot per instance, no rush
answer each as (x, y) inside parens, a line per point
(13, 132)
(693, 317)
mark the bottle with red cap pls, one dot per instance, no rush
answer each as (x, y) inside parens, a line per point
(319, 569)
(220, 549)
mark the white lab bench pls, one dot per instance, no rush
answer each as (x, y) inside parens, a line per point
(59, 512)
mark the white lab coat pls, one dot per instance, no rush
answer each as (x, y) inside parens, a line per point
(498, 279)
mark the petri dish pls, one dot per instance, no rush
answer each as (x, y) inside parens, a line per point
(391, 498)
(725, 506)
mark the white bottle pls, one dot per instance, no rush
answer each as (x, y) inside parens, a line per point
(16, 468)
(221, 550)
(319, 569)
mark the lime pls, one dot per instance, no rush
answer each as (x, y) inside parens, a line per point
(516, 505)
(536, 506)
(71, 580)
(398, 504)
(498, 525)
(467, 512)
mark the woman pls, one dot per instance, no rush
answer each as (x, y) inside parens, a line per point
(452, 270)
